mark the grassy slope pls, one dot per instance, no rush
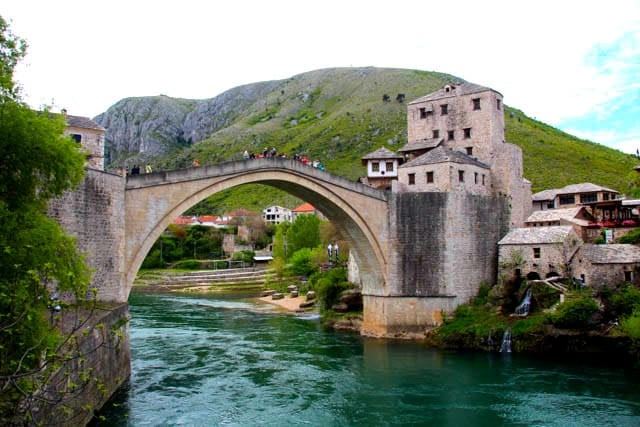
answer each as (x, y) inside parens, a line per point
(338, 115)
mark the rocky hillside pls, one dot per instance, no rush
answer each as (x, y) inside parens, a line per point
(336, 115)
(155, 126)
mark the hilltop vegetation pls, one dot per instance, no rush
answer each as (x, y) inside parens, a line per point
(335, 115)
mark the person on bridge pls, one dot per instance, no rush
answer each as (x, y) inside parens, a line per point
(335, 251)
(245, 155)
(195, 163)
(329, 248)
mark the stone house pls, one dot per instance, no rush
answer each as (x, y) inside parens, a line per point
(445, 170)
(578, 217)
(382, 168)
(463, 125)
(90, 135)
(537, 252)
(571, 196)
(602, 265)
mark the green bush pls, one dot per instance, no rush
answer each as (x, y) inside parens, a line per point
(575, 313)
(625, 300)
(245, 256)
(187, 265)
(631, 325)
(302, 263)
(329, 285)
(632, 237)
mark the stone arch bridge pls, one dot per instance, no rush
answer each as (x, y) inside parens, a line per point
(360, 212)
(419, 254)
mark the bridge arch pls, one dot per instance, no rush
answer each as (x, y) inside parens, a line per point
(359, 212)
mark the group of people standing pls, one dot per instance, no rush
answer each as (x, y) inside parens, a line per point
(332, 251)
(273, 153)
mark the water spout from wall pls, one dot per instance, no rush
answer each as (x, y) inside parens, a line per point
(525, 305)
(505, 347)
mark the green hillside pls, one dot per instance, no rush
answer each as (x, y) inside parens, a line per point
(338, 115)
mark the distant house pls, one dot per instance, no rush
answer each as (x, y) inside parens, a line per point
(186, 220)
(600, 265)
(541, 251)
(276, 214)
(306, 209)
(90, 135)
(571, 196)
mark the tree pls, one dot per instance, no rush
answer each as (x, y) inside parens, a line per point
(37, 163)
(303, 233)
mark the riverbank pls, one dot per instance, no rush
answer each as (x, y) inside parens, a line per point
(287, 303)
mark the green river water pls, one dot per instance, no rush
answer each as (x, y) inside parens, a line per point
(226, 360)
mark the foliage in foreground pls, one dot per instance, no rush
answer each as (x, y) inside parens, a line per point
(37, 163)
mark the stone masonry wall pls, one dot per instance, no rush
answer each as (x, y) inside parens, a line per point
(441, 247)
(104, 366)
(95, 215)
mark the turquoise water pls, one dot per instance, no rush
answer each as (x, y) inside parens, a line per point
(224, 360)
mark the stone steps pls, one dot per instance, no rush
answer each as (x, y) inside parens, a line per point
(215, 277)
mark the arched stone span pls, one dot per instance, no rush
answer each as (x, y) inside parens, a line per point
(360, 212)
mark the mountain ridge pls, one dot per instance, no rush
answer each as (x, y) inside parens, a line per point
(336, 115)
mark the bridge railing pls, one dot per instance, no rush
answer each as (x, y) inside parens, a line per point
(247, 166)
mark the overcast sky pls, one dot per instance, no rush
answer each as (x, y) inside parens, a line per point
(572, 64)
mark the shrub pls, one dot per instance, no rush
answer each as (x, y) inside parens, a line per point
(302, 262)
(329, 285)
(626, 300)
(631, 237)
(575, 313)
(631, 325)
(187, 265)
(245, 256)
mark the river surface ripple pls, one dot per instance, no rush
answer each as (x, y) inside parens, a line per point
(226, 361)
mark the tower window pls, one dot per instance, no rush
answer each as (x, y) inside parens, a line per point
(467, 133)
(475, 177)
(469, 151)
(476, 103)
(498, 104)
(389, 166)
(76, 137)
(436, 133)
(429, 177)
(423, 113)
(461, 176)
(536, 252)
(412, 178)
(450, 135)
(375, 167)
(444, 109)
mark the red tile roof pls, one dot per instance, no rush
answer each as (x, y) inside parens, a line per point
(305, 207)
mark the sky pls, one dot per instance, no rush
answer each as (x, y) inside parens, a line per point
(574, 64)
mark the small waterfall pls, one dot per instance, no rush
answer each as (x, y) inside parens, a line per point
(525, 305)
(505, 347)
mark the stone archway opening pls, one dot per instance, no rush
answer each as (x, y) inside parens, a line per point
(360, 218)
(532, 275)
